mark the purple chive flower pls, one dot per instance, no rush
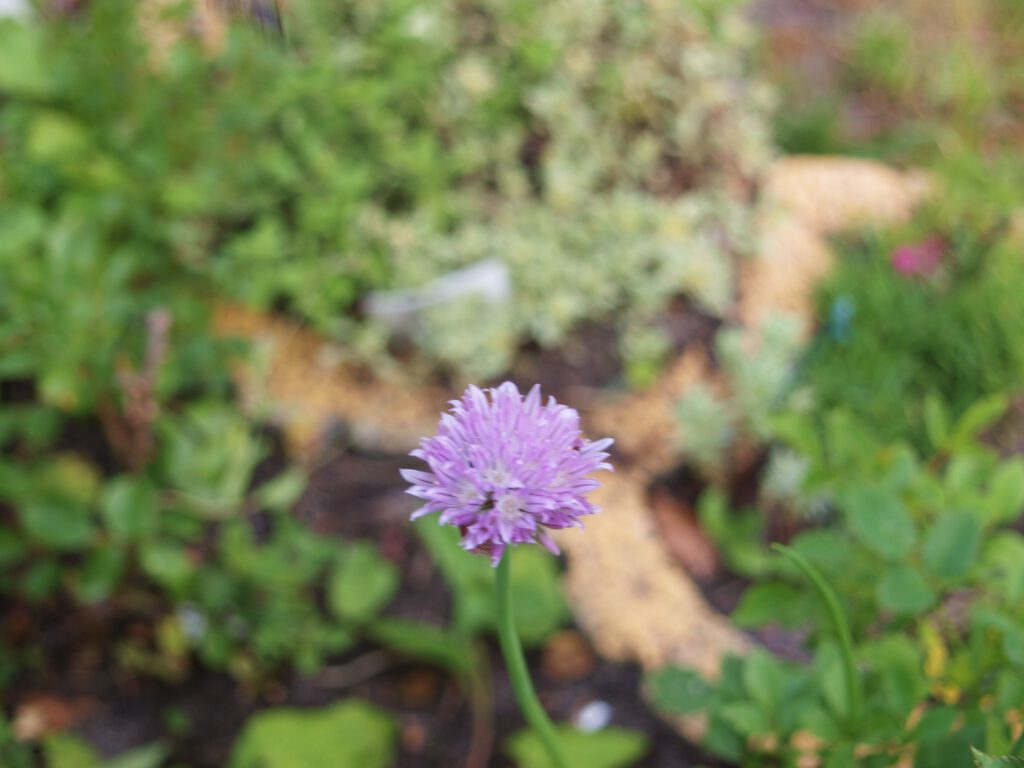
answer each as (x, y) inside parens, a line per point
(505, 469)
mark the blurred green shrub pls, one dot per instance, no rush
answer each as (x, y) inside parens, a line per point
(626, 178)
(913, 79)
(129, 472)
(607, 155)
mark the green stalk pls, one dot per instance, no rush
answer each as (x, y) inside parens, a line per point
(517, 672)
(839, 624)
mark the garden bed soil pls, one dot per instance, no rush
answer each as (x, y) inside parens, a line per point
(589, 360)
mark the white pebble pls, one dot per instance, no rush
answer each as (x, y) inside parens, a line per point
(594, 716)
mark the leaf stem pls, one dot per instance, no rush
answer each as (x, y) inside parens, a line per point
(839, 624)
(529, 705)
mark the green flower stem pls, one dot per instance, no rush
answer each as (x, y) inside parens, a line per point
(516, 663)
(854, 696)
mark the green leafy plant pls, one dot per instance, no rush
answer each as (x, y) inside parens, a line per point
(931, 75)
(913, 577)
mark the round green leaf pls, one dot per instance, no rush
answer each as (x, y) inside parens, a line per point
(951, 544)
(130, 507)
(167, 564)
(352, 734)
(361, 583)
(771, 602)
(57, 523)
(903, 590)
(1006, 491)
(880, 521)
(99, 575)
(680, 691)
(763, 678)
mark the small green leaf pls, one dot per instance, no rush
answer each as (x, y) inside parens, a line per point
(610, 748)
(148, 756)
(100, 574)
(825, 548)
(1006, 492)
(167, 565)
(680, 691)
(57, 523)
(283, 491)
(54, 136)
(982, 760)
(979, 416)
(130, 507)
(361, 583)
(352, 734)
(23, 67)
(745, 717)
(1007, 626)
(903, 590)
(770, 602)
(437, 645)
(936, 421)
(898, 663)
(540, 606)
(763, 679)
(880, 521)
(62, 750)
(1004, 560)
(830, 678)
(935, 724)
(951, 545)
(723, 740)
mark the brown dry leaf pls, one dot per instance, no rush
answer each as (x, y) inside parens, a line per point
(567, 656)
(683, 536)
(39, 714)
